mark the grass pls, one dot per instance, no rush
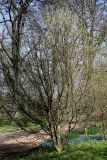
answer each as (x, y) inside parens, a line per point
(83, 151)
(93, 130)
(90, 150)
(74, 134)
(96, 150)
(77, 132)
(8, 128)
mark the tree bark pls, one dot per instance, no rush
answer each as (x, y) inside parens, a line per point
(57, 140)
(58, 145)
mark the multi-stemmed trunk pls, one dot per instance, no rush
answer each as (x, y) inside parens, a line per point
(56, 137)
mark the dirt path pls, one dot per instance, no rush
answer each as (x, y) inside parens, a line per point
(14, 142)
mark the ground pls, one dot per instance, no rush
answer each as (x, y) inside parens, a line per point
(20, 141)
(19, 145)
(80, 151)
(13, 142)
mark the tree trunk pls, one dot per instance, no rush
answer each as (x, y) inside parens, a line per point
(103, 128)
(86, 131)
(58, 145)
(57, 140)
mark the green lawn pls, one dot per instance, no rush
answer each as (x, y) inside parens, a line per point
(84, 151)
(8, 128)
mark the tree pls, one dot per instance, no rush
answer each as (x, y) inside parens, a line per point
(13, 15)
(47, 79)
(50, 72)
(47, 64)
